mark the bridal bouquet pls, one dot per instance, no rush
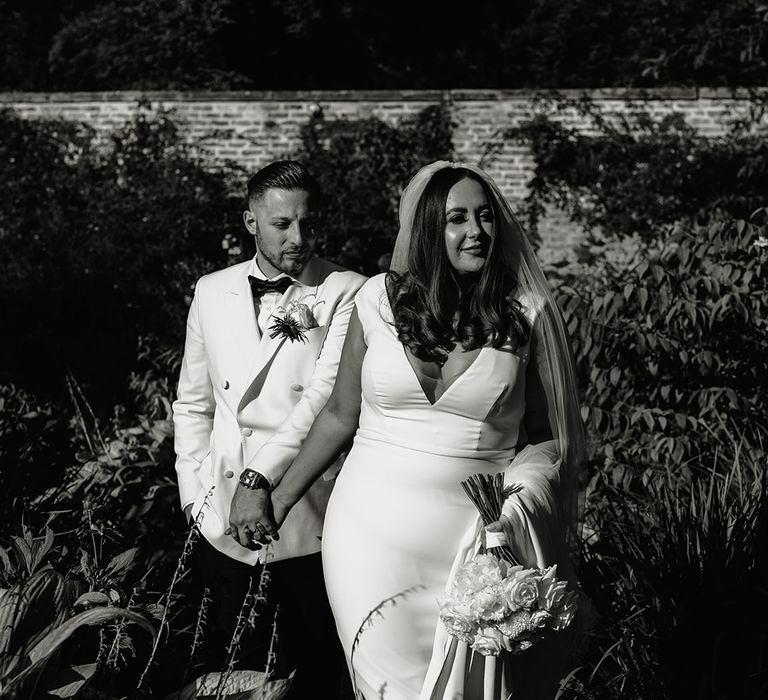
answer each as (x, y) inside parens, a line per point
(494, 603)
(494, 606)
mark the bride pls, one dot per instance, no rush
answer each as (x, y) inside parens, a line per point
(456, 363)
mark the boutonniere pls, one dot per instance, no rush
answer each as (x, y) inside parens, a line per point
(296, 319)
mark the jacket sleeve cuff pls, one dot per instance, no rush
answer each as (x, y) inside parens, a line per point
(271, 464)
(189, 490)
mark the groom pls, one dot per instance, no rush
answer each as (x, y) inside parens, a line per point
(262, 350)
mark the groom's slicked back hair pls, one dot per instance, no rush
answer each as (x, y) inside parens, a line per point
(282, 175)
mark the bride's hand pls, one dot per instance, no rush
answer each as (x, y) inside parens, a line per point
(281, 506)
(501, 525)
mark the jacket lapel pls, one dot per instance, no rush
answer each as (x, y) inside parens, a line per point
(244, 336)
(269, 347)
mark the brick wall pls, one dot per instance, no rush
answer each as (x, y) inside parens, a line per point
(256, 127)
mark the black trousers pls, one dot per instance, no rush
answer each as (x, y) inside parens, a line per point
(306, 632)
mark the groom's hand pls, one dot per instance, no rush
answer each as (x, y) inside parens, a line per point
(250, 519)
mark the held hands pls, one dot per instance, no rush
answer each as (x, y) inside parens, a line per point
(255, 516)
(250, 518)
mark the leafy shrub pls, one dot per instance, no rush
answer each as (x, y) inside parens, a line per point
(44, 609)
(677, 573)
(121, 481)
(670, 349)
(36, 446)
(669, 330)
(101, 242)
(667, 317)
(109, 45)
(362, 166)
(113, 538)
(632, 174)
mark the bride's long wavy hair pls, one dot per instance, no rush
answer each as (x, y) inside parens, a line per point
(425, 299)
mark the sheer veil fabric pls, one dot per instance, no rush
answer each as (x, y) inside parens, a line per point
(544, 523)
(555, 356)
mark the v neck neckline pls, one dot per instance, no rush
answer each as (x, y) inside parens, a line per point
(415, 374)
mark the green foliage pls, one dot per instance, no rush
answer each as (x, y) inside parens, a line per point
(35, 448)
(144, 45)
(121, 481)
(323, 44)
(362, 166)
(26, 31)
(679, 574)
(237, 685)
(632, 174)
(101, 241)
(671, 349)
(111, 524)
(720, 43)
(668, 321)
(580, 43)
(43, 609)
(59, 469)
(402, 44)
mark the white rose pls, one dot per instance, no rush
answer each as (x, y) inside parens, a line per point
(551, 594)
(482, 572)
(457, 619)
(463, 586)
(522, 589)
(303, 315)
(489, 641)
(489, 604)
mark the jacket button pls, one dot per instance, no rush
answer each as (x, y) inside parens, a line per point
(225, 384)
(297, 387)
(246, 432)
(229, 474)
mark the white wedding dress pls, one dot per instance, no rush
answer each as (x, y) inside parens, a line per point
(398, 514)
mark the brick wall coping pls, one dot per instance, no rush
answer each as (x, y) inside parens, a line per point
(666, 93)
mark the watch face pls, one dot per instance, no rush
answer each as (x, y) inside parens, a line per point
(251, 479)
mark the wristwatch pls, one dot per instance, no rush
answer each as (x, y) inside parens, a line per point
(251, 479)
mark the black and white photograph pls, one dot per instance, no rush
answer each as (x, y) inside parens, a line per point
(384, 350)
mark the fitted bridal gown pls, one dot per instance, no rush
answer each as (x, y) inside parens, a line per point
(398, 513)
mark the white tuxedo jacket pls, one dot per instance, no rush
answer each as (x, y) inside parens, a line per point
(247, 400)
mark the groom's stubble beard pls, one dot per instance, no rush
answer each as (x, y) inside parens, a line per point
(290, 266)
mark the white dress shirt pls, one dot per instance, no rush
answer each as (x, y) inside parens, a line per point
(267, 305)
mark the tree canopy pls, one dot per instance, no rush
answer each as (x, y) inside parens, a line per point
(331, 44)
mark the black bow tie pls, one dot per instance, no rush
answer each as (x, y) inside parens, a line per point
(260, 287)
